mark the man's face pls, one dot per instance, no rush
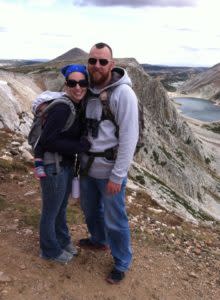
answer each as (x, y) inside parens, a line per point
(100, 64)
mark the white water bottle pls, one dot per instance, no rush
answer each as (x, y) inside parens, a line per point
(75, 188)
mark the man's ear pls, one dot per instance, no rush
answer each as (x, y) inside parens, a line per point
(112, 64)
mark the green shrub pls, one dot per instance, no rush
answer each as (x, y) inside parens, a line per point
(155, 156)
(140, 179)
(207, 160)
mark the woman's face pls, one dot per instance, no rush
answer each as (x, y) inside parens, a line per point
(76, 86)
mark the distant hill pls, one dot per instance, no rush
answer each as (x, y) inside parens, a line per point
(20, 62)
(72, 54)
(172, 76)
(204, 85)
(168, 69)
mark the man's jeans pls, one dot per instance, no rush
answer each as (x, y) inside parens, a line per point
(54, 234)
(106, 218)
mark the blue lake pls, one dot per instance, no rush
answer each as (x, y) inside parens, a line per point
(200, 109)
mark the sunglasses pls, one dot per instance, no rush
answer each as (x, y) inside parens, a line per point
(73, 83)
(103, 62)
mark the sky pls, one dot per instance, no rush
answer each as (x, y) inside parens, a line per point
(162, 32)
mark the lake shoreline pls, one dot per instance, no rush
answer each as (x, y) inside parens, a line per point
(210, 139)
(173, 95)
(200, 109)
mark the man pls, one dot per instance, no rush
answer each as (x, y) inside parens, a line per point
(113, 136)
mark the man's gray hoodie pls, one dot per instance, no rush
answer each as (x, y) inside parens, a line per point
(124, 106)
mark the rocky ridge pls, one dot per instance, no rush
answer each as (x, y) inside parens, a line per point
(204, 85)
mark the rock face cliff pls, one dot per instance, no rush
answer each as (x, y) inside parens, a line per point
(172, 164)
(204, 85)
(17, 92)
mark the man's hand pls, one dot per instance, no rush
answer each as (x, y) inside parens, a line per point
(113, 188)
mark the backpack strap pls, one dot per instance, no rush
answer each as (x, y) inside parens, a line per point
(34, 133)
(109, 154)
(107, 114)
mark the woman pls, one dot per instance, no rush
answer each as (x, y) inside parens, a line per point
(55, 241)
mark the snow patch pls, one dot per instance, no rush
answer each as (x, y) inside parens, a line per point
(3, 82)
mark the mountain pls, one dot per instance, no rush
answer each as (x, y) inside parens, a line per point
(171, 69)
(204, 85)
(174, 166)
(20, 62)
(172, 76)
(72, 54)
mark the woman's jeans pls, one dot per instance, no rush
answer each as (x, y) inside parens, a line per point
(54, 233)
(106, 218)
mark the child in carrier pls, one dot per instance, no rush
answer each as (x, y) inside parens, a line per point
(38, 106)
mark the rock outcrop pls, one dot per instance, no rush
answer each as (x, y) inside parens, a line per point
(17, 91)
(204, 85)
(172, 165)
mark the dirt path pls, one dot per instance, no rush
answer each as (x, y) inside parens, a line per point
(172, 260)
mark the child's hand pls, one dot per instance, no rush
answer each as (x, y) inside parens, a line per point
(39, 168)
(39, 172)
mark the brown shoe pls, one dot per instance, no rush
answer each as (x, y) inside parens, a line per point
(88, 244)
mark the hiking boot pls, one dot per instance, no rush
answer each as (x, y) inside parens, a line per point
(70, 248)
(63, 258)
(115, 276)
(88, 244)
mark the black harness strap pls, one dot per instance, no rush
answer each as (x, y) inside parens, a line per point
(108, 115)
(92, 125)
(109, 154)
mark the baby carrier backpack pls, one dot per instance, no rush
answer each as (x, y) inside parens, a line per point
(45, 102)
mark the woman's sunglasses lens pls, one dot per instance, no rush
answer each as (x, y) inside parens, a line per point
(83, 83)
(73, 83)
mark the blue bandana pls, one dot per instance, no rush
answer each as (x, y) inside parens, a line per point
(67, 70)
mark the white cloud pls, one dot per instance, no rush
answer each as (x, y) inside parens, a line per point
(40, 3)
(157, 35)
(136, 3)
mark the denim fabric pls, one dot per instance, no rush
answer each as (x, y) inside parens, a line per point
(54, 233)
(106, 218)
